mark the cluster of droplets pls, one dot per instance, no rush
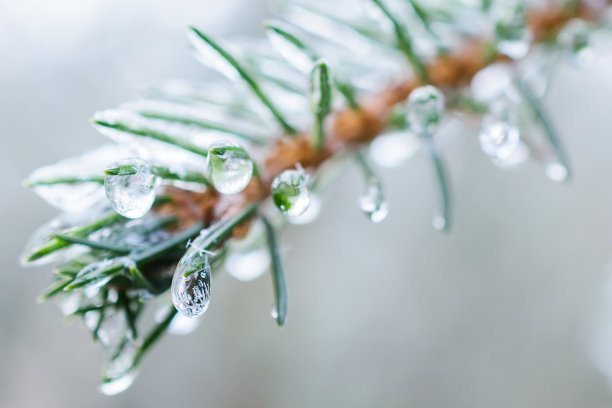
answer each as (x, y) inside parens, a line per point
(130, 187)
(191, 282)
(229, 166)
(512, 35)
(290, 192)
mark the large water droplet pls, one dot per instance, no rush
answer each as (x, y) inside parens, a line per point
(131, 192)
(290, 192)
(230, 167)
(498, 138)
(575, 38)
(425, 109)
(191, 293)
(121, 371)
(373, 202)
(511, 31)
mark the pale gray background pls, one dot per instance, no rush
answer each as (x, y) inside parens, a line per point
(396, 314)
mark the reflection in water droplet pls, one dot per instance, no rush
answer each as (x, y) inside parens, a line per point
(131, 194)
(425, 109)
(290, 192)
(499, 139)
(373, 202)
(191, 294)
(230, 167)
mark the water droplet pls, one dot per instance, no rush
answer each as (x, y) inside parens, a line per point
(518, 156)
(373, 202)
(511, 31)
(191, 294)
(311, 213)
(498, 138)
(439, 223)
(290, 193)
(132, 194)
(425, 109)
(230, 167)
(394, 148)
(556, 172)
(121, 371)
(575, 38)
(274, 312)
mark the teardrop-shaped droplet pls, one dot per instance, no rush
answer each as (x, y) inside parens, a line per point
(290, 192)
(121, 371)
(511, 31)
(498, 138)
(230, 167)
(425, 109)
(575, 38)
(130, 187)
(191, 293)
(373, 202)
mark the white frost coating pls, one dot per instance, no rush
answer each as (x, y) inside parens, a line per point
(295, 56)
(156, 151)
(211, 58)
(76, 197)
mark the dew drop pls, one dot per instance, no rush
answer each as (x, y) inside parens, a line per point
(425, 109)
(556, 172)
(498, 138)
(439, 223)
(191, 294)
(373, 203)
(229, 166)
(131, 192)
(290, 192)
(274, 312)
(511, 31)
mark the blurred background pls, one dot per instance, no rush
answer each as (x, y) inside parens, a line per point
(499, 313)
